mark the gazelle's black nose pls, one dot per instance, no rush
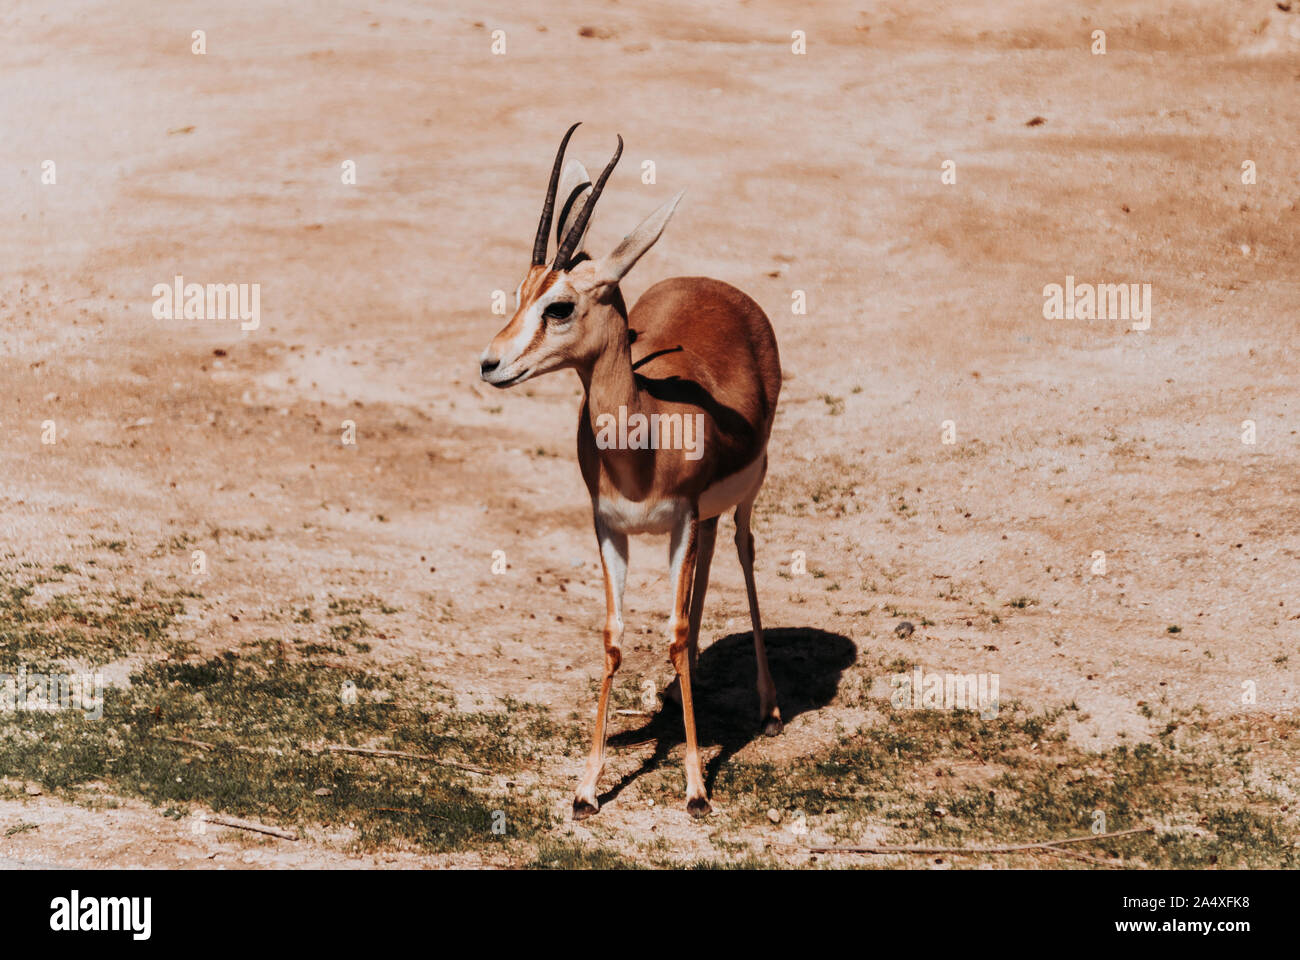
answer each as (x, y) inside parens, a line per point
(487, 366)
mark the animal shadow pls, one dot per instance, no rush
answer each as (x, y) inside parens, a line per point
(806, 665)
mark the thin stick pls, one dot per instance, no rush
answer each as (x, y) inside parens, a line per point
(204, 745)
(1009, 848)
(1076, 855)
(250, 825)
(403, 755)
(414, 812)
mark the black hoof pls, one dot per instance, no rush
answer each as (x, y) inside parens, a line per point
(698, 807)
(582, 809)
(772, 727)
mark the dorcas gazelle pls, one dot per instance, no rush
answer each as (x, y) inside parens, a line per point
(693, 353)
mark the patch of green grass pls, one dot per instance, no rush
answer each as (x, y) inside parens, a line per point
(345, 607)
(747, 862)
(268, 720)
(566, 855)
(349, 626)
(94, 627)
(268, 711)
(322, 649)
(950, 778)
(350, 631)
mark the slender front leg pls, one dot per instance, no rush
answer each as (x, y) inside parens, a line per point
(613, 561)
(682, 554)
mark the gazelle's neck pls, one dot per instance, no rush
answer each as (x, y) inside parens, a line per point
(608, 379)
(612, 390)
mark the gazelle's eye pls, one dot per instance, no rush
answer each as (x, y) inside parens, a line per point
(559, 310)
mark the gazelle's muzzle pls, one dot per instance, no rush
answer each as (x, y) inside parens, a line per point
(502, 363)
(492, 372)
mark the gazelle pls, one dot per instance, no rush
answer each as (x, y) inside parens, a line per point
(701, 347)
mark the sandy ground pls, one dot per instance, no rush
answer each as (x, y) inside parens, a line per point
(819, 173)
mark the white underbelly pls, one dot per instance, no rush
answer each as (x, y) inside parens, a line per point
(732, 490)
(660, 516)
(640, 516)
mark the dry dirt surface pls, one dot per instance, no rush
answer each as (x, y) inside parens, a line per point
(819, 172)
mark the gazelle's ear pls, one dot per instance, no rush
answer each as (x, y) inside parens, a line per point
(614, 267)
(575, 188)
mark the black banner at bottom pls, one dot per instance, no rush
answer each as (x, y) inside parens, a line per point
(335, 909)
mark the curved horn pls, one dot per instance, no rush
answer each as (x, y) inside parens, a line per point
(567, 208)
(580, 224)
(544, 227)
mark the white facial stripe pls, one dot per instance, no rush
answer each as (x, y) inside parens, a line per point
(527, 330)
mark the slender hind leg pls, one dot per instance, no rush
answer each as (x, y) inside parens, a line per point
(682, 554)
(704, 557)
(613, 561)
(708, 535)
(769, 714)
